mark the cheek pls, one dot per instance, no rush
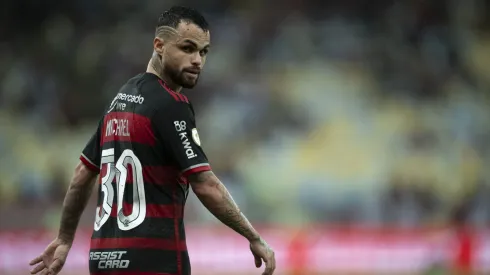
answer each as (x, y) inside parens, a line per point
(171, 61)
(178, 60)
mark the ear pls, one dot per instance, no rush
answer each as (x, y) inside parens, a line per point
(158, 45)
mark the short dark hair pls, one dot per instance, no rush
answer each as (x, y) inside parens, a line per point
(176, 14)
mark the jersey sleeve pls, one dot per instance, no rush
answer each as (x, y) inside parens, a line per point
(176, 128)
(91, 153)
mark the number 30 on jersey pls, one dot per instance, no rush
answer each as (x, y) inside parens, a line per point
(119, 170)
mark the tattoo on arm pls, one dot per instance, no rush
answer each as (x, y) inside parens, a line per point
(221, 204)
(75, 201)
(228, 213)
(201, 177)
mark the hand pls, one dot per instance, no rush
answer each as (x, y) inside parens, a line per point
(263, 252)
(52, 259)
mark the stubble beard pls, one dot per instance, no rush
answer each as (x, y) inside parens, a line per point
(178, 77)
(167, 72)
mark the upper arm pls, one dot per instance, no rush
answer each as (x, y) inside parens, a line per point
(176, 128)
(90, 156)
(201, 181)
(84, 175)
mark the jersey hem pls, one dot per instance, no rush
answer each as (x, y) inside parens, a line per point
(87, 162)
(196, 168)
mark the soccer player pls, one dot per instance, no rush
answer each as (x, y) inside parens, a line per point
(147, 152)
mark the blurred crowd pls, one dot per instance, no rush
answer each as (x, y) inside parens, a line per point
(354, 111)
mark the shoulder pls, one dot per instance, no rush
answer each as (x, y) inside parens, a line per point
(173, 110)
(159, 95)
(165, 103)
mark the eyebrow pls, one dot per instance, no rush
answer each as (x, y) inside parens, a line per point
(195, 45)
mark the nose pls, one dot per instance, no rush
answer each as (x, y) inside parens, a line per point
(196, 60)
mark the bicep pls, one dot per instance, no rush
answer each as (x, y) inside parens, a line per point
(90, 155)
(84, 175)
(202, 181)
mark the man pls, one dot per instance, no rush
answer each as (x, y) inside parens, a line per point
(147, 151)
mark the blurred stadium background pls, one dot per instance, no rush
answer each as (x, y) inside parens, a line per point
(354, 134)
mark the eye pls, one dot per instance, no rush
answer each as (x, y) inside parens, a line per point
(187, 49)
(204, 52)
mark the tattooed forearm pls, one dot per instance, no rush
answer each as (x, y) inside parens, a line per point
(228, 213)
(75, 201)
(216, 198)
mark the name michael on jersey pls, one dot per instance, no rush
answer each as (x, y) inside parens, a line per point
(117, 127)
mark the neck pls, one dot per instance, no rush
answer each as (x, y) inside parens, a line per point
(155, 67)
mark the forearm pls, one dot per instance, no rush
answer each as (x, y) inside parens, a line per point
(76, 200)
(216, 198)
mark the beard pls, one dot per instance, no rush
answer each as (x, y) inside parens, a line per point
(179, 77)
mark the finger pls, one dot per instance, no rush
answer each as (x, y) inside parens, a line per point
(36, 260)
(258, 261)
(55, 267)
(38, 268)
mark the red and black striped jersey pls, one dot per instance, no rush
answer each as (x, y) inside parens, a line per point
(145, 146)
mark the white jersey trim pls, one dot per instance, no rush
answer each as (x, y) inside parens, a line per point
(195, 166)
(87, 159)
